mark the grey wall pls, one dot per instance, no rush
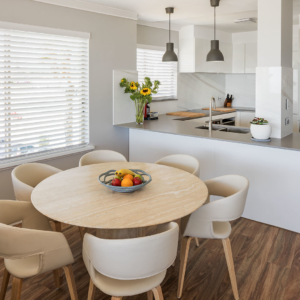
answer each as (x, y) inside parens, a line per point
(112, 46)
(155, 36)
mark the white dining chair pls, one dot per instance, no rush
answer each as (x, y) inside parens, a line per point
(31, 250)
(26, 177)
(101, 156)
(211, 221)
(128, 267)
(183, 162)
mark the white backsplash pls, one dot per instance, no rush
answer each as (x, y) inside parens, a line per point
(242, 87)
(196, 89)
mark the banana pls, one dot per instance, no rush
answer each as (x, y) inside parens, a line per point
(123, 172)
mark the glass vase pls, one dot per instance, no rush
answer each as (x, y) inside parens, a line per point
(139, 111)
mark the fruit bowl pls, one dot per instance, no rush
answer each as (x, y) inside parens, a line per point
(107, 177)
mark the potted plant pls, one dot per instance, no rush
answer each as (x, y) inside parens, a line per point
(141, 94)
(260, 129)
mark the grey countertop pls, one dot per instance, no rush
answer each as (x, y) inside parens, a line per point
(171, 125)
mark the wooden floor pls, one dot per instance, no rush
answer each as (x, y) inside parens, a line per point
(267, 261)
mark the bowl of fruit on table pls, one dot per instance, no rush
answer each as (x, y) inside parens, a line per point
(125, 180)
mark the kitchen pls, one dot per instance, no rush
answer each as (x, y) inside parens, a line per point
(196, 131)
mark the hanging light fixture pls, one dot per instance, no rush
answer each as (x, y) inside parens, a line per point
(215, 54)
(170, 55)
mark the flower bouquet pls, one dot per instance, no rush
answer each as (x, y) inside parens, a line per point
(140, 94)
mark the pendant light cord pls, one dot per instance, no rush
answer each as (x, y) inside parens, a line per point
(214, 23)
(169, 28)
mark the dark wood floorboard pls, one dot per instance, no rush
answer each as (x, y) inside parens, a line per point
(267, 263)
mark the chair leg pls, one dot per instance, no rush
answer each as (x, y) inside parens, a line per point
(158, 295)
(82, 232)
(197, 242)
(149, 295)
(57, 278)
(230, 264)
(184, 253)
(71, 282)
(5, 281)
(57, 226)
(16, 288)
(92, 291)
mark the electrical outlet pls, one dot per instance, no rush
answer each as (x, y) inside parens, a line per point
(287, 121)
(219, 98)
(287, 104)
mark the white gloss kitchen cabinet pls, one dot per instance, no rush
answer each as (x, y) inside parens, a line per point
(194, 45)
(244, 58)
(239, 50)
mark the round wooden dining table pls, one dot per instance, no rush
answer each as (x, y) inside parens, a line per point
(76, 197)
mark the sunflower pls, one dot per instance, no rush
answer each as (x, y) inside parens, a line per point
(132, 85)
(145, 91)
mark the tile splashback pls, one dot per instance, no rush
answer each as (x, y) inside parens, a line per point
(196, 89)
(242, 87)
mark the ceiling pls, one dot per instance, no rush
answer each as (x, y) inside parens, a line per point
(194, 12)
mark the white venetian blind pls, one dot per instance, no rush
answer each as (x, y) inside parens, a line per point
(44, 93)
(149, 64)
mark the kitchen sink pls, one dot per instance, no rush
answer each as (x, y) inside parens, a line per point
(222, 128)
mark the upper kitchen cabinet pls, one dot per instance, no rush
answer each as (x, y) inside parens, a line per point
(244, 57)
(239, 50)
(194, 45)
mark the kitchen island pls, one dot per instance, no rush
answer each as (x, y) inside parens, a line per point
(273, 168)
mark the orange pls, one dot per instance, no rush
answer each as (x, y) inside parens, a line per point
(129, 176)
(126, 182)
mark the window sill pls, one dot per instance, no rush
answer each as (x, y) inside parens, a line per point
(43, 157)
(164, 100)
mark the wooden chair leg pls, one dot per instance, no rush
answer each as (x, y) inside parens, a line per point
(71, 282)
(16, 288)
(230, 264)
(5, 281)
(82, 232)
(92, 291)
(158, 295)
(197, 242)
(57, 226)
(57, 278)
(184, 253)
(149, 295)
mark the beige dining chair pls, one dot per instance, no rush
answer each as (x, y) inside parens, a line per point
(101, 156)
(183, 162)
(26, 177)
(33, 249)
(129, 267)
(211, 221)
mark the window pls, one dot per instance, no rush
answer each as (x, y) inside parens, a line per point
(44, 93)
(149, 64)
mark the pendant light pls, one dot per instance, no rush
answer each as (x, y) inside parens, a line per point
(170, 55)
(215, 55)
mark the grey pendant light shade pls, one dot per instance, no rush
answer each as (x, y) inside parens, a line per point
(215, 55)
(170, 55)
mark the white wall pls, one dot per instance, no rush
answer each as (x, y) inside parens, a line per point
(112, 46)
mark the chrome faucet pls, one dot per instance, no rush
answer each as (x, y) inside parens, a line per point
(212, 100)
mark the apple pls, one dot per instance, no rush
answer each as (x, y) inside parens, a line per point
(116, 182)
(137, 181)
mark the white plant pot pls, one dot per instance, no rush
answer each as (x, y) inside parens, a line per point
(261, 132)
